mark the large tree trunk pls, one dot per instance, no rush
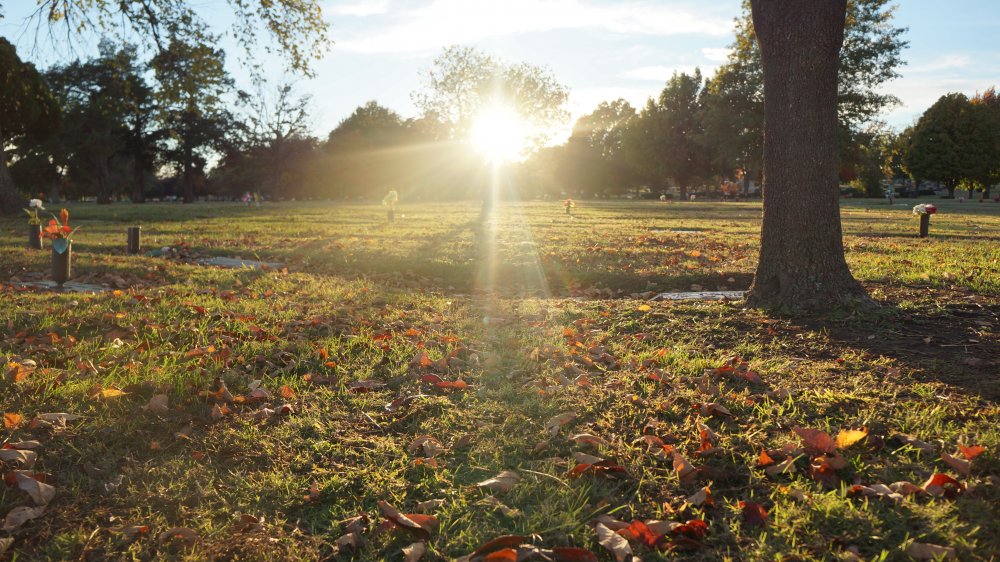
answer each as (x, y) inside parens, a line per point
(10, 198)
(801, 263)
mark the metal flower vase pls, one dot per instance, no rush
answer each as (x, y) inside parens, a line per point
(35, 236)
(62, 261)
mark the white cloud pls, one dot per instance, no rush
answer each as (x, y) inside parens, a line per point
(716, 54)
(943, 62)
(363, 8)
(657, 73)
(448, 22)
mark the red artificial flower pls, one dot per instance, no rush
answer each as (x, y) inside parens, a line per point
(64, 217)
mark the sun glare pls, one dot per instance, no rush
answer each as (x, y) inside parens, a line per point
(499, 134)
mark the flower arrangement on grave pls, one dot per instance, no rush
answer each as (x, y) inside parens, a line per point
(568, 204)
(59, 231)
(924, 209)
(34, 206)
(391, 199)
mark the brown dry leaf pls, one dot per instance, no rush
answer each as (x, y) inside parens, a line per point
(683, 468)
(58, 417)
(420, 525)
(584, 458)
(349, 540)
(158, 404)
(40, 492)
(414, 552)
(5, 544)
(502, 482)
(12, 420)
(246, 523)
(133, 532)
(848, 437)
(754, 514)
(927, 551)
(218, 412)
(555, 424)
(429, 505)
(25, 459)
(702, 496)
(286, 392)
(961, 466)
(19, 516)
(588, 439)
(816, 440)
(614, 543)
(785, 467)
(430, 446)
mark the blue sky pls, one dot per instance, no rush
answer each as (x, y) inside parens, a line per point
(602, 49)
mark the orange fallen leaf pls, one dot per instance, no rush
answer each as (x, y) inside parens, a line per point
(764, 459)
(961, 466)
(971, 452)
(12, 420)
(754, 514)
(286, 392)
(815, 440)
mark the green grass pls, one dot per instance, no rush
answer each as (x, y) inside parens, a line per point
(361, 299)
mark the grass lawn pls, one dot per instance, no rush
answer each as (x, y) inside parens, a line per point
(265, 414)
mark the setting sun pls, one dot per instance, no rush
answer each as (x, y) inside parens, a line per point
(499, 134)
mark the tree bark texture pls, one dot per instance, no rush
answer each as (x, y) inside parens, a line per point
(801, 263)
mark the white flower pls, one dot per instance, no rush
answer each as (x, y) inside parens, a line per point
(920, 209)
(36, 204)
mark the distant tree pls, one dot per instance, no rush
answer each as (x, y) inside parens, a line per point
(938, 143)
(463, 81)
(297, 27)
(801, 262)
(595, 157)
(27, 108)
(277, 127)
(983, 141)
(192, 85)
(95, 99)
(668, 133)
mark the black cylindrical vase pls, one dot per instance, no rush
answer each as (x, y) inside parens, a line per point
(35, 236)
(925, 225)
(134, 245)
(62, 265)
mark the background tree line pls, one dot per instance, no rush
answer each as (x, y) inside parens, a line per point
(117, 126)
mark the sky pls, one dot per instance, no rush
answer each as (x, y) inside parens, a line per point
(600, 49)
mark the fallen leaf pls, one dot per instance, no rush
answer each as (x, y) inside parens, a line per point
(971, 452)
(785, 467)
(246, 523)
(414, 552)
(349, 540)
(502, 555)
(848, 437)
(683, 468)
(588, 439)
(961, 466)
(429, 505)
(420, 525)
(943, 485)
(499, 543)
(108, 393)
(430, 446)
(7, 541)
(614, 543)
(555, 423)
(764, 459)
(502, 482)
(701, 497)
(181, 536)
(40, 492)
(927, 551)
(158, 404)
(815, 440)
(25, 459)
(19, 516)
(754, 514)
(584, 458)
(11, 420)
